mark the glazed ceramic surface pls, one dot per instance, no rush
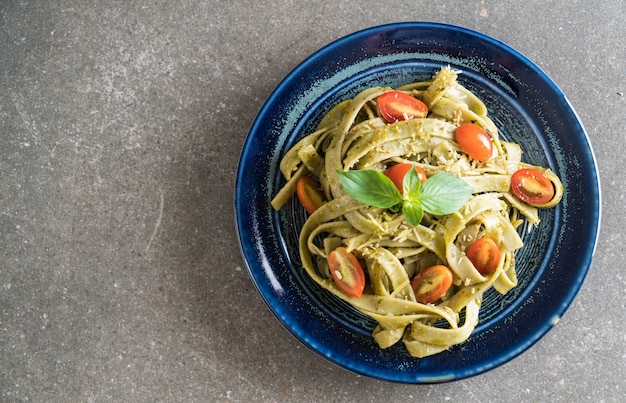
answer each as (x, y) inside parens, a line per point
(527, 107)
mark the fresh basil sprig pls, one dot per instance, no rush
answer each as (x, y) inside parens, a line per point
(442, 193)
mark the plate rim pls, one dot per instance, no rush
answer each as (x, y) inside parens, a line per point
(416, 25)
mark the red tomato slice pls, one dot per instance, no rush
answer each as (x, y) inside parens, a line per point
(484, 255)
(474, 141)
(397, 172)
(431, 283)
(396, 105)
(346, 271)
(308, 194)
(532, 186)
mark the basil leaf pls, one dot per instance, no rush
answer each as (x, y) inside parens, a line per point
(412, 211)
(370, 187)
(411, 185)
(444, 193)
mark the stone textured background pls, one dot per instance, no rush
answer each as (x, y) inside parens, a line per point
(121, 125)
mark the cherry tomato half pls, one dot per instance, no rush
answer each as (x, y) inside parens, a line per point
(308, 194)
(532, 186)
(484, 255)
(431, 283)
(397, 172)
(346, 272)
(474, 141)
(396, 105)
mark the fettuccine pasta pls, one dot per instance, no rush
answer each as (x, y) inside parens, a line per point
(392, 251)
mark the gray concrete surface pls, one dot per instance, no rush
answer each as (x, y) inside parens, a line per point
(121, 124)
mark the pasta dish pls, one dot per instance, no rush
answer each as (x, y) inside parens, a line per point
(413, 206)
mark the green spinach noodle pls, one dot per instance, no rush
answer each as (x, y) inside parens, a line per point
(354, 136)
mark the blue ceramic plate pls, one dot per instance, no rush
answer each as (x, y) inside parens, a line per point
(527, 107)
